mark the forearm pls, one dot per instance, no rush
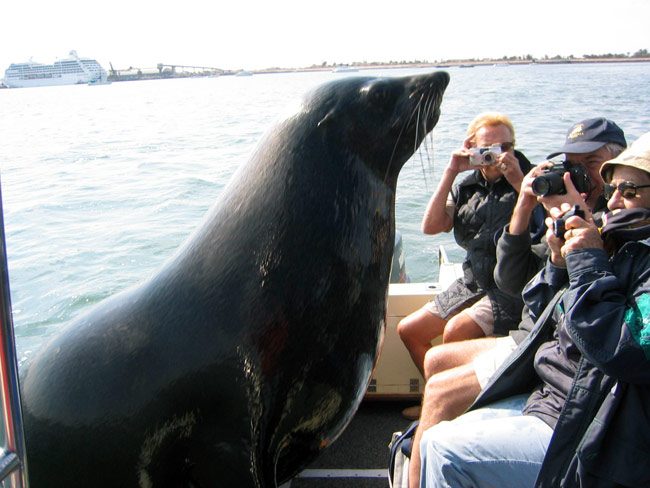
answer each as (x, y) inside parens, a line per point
(435, 218)
(521, 214)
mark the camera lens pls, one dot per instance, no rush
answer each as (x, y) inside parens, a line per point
(540, 186)
(488, 158)
(548, 184)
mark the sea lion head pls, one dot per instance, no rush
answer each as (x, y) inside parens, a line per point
(382, 121)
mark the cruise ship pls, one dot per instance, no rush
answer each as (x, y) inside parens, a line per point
(70, 71)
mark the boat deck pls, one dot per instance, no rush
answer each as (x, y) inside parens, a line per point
(360, 457)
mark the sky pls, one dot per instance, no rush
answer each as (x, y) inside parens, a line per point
(259, 34)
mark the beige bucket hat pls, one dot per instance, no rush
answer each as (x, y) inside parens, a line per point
(636, 156)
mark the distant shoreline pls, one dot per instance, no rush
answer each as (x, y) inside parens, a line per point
(455, 63)
(136, 74)
(132, 74)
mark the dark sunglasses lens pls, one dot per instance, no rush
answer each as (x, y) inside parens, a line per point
(506, 146)
(627, 190)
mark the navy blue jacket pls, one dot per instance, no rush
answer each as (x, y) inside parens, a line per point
(602, 438)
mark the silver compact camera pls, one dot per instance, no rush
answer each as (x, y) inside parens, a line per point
(484, 156)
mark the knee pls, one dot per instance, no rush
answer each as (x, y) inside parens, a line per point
(434, 361)
(443, 357)
(411, 327)
(404, 328)
(461, 328)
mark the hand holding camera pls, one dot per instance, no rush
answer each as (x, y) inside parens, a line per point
(552, 182)
(566, 234)
(559, 227)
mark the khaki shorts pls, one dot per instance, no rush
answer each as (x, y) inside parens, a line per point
(480, 312)
(487, 363)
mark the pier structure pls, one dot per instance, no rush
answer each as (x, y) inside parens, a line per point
(163, 70)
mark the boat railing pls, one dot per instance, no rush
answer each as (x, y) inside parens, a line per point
(13, 472)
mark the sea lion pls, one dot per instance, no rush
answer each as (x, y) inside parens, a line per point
(252, 347)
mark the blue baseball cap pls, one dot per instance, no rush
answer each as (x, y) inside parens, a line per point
(590, 135)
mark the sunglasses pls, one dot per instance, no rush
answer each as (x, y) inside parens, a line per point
(506, 146)
(627, 190)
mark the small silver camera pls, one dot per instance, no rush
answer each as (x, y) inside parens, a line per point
(484, 156)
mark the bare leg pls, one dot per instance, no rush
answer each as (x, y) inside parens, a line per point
(452, 387)
(447, 356)
(417, 330)
(447, 395)
(461, 327)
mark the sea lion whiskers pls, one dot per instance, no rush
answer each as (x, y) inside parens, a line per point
(424, 110)
(395, 146)
(429, 100)
(431, 104)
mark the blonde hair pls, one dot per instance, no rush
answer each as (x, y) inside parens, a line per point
(488, 119)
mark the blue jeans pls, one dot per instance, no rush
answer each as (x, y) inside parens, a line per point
(495, 446)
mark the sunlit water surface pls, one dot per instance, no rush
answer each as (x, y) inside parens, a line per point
(101, 184)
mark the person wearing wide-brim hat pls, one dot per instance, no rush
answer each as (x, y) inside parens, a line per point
(636, 156)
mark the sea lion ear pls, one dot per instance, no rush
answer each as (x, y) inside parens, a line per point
(329, 117)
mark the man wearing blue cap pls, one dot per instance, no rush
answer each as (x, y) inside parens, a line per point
(588, 143)
(591, 143)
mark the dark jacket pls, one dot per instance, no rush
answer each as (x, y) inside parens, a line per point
(482, 210)
(520, 257)
(602, 437)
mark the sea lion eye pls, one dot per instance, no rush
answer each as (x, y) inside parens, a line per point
(377, 93)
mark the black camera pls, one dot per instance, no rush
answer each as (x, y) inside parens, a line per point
(551, 182)
(558, 225)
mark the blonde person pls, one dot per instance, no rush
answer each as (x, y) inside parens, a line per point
(476, 207)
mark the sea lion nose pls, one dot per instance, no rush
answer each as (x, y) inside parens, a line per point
(444, 77)
(435, 82)
(441, 78)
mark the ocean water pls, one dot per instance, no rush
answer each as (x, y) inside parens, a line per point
(101, 184)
